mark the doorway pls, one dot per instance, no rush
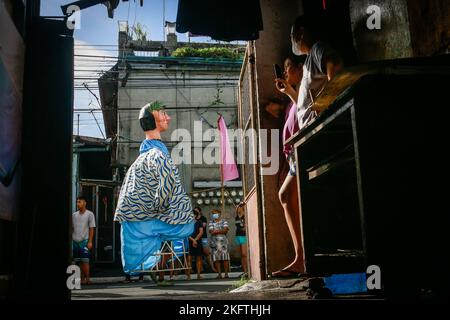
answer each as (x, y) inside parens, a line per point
(100, 200)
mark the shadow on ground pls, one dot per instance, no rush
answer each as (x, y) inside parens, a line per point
(149, 290)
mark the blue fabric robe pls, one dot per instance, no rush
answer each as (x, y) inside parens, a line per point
(152, 207)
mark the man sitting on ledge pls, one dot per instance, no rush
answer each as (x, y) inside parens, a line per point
(153, 206)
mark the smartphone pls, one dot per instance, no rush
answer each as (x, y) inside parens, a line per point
(278, 71)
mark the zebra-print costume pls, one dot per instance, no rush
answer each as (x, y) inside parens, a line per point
(152, 189)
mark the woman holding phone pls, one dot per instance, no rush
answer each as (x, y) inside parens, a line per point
(288, 85)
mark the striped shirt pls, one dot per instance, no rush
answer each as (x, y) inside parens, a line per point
(218, 226)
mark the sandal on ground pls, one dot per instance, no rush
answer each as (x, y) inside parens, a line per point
(219, 277)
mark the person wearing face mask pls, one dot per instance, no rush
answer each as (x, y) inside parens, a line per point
(218, 228)
(241, 235)
(195, 244)
(321, 64)
(204, 240)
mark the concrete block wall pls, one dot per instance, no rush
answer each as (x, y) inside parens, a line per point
(178, 93)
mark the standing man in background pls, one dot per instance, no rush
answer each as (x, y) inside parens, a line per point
(83, 223)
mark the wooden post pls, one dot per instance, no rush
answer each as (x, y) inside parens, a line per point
(223, 197)
(222, 187)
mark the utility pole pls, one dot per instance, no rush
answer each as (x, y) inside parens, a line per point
(164, 20)
(78, 125)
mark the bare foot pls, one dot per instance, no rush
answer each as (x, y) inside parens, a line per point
(295, 266)
(285, 273)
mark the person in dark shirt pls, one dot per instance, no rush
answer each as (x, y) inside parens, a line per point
(204, 239)
(241, 235)
(195, 244)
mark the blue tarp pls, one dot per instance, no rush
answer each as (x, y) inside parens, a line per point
(346, 283)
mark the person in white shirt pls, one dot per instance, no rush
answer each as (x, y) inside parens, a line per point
(83, 223)
(321, 65)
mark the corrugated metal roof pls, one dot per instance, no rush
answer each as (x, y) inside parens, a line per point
(185, 60)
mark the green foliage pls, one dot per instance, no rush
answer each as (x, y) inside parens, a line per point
(138, 32)
(213, 52)
(242, 281)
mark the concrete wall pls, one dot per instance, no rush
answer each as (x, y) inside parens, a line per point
(174, 95)
(392, 41)
(429, 26)
(173, 86)
(409, 28)
(254, 241)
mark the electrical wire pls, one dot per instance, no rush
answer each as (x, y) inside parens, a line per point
(99, 64)
(167, 108)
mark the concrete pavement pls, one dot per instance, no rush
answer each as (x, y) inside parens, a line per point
(106, 288)
(207, 288)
